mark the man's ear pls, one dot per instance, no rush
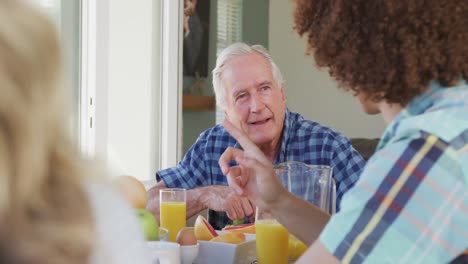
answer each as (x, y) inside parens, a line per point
(283, 95)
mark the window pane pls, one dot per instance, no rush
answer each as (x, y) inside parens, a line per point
(66, 17)
(229, 31)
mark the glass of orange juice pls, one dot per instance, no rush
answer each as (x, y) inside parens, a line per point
(173, 210)
(271, 239)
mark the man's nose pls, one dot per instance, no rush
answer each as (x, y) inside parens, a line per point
(256, 104)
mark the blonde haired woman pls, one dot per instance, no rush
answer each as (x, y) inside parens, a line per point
(49, 212)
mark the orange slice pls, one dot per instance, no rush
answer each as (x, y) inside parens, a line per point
(245, 228)
(203, 229)
(231, 238)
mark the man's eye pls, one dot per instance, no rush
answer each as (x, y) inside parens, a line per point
(264, 88)
(240, 96)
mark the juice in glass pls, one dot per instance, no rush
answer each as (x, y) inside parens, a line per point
(272, 242)
(295, 248)
(173, 215)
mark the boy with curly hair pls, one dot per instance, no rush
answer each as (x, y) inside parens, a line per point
(407, 60)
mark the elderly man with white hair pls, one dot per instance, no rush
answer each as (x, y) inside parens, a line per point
(249, 88)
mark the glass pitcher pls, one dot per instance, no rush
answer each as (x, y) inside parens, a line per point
(313, 183)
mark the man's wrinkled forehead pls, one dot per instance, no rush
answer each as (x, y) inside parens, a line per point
(239, 87)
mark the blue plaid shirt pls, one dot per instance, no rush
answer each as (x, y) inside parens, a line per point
(302, 140)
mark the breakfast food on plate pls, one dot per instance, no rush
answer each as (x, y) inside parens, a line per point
(133, 190)
(244, 228)
(203, 229)
(186, 237)
(229, 237)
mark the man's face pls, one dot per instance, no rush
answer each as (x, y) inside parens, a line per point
(253, 100)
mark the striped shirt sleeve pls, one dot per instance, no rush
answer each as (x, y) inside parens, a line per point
(400, 206)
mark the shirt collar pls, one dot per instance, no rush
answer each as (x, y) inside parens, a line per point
(286, 134)
(416, 106)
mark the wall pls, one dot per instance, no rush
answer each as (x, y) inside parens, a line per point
(311, 91)
(255, 22)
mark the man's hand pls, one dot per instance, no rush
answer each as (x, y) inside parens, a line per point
(254, 176)
(223, 198)
(214, 197)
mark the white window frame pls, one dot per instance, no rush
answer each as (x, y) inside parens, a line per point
(88, 76)
(167, 130)
(171, 112)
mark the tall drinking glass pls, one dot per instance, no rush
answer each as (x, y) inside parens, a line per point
(173, 210)
(313, 183)
(271, 239)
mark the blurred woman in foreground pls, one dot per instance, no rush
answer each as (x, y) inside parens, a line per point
(407, 60)
(50, 211)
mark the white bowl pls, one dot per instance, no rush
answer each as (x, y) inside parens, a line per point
(164, 252)
(189, 253)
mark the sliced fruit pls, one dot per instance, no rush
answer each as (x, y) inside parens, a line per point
(295, 247)
(133, 190)
(203, 229)
(244, 228)
(231, 238)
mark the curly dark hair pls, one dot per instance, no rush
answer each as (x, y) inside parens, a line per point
(388, 49)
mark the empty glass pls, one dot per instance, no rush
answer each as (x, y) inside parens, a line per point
(313, 183)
